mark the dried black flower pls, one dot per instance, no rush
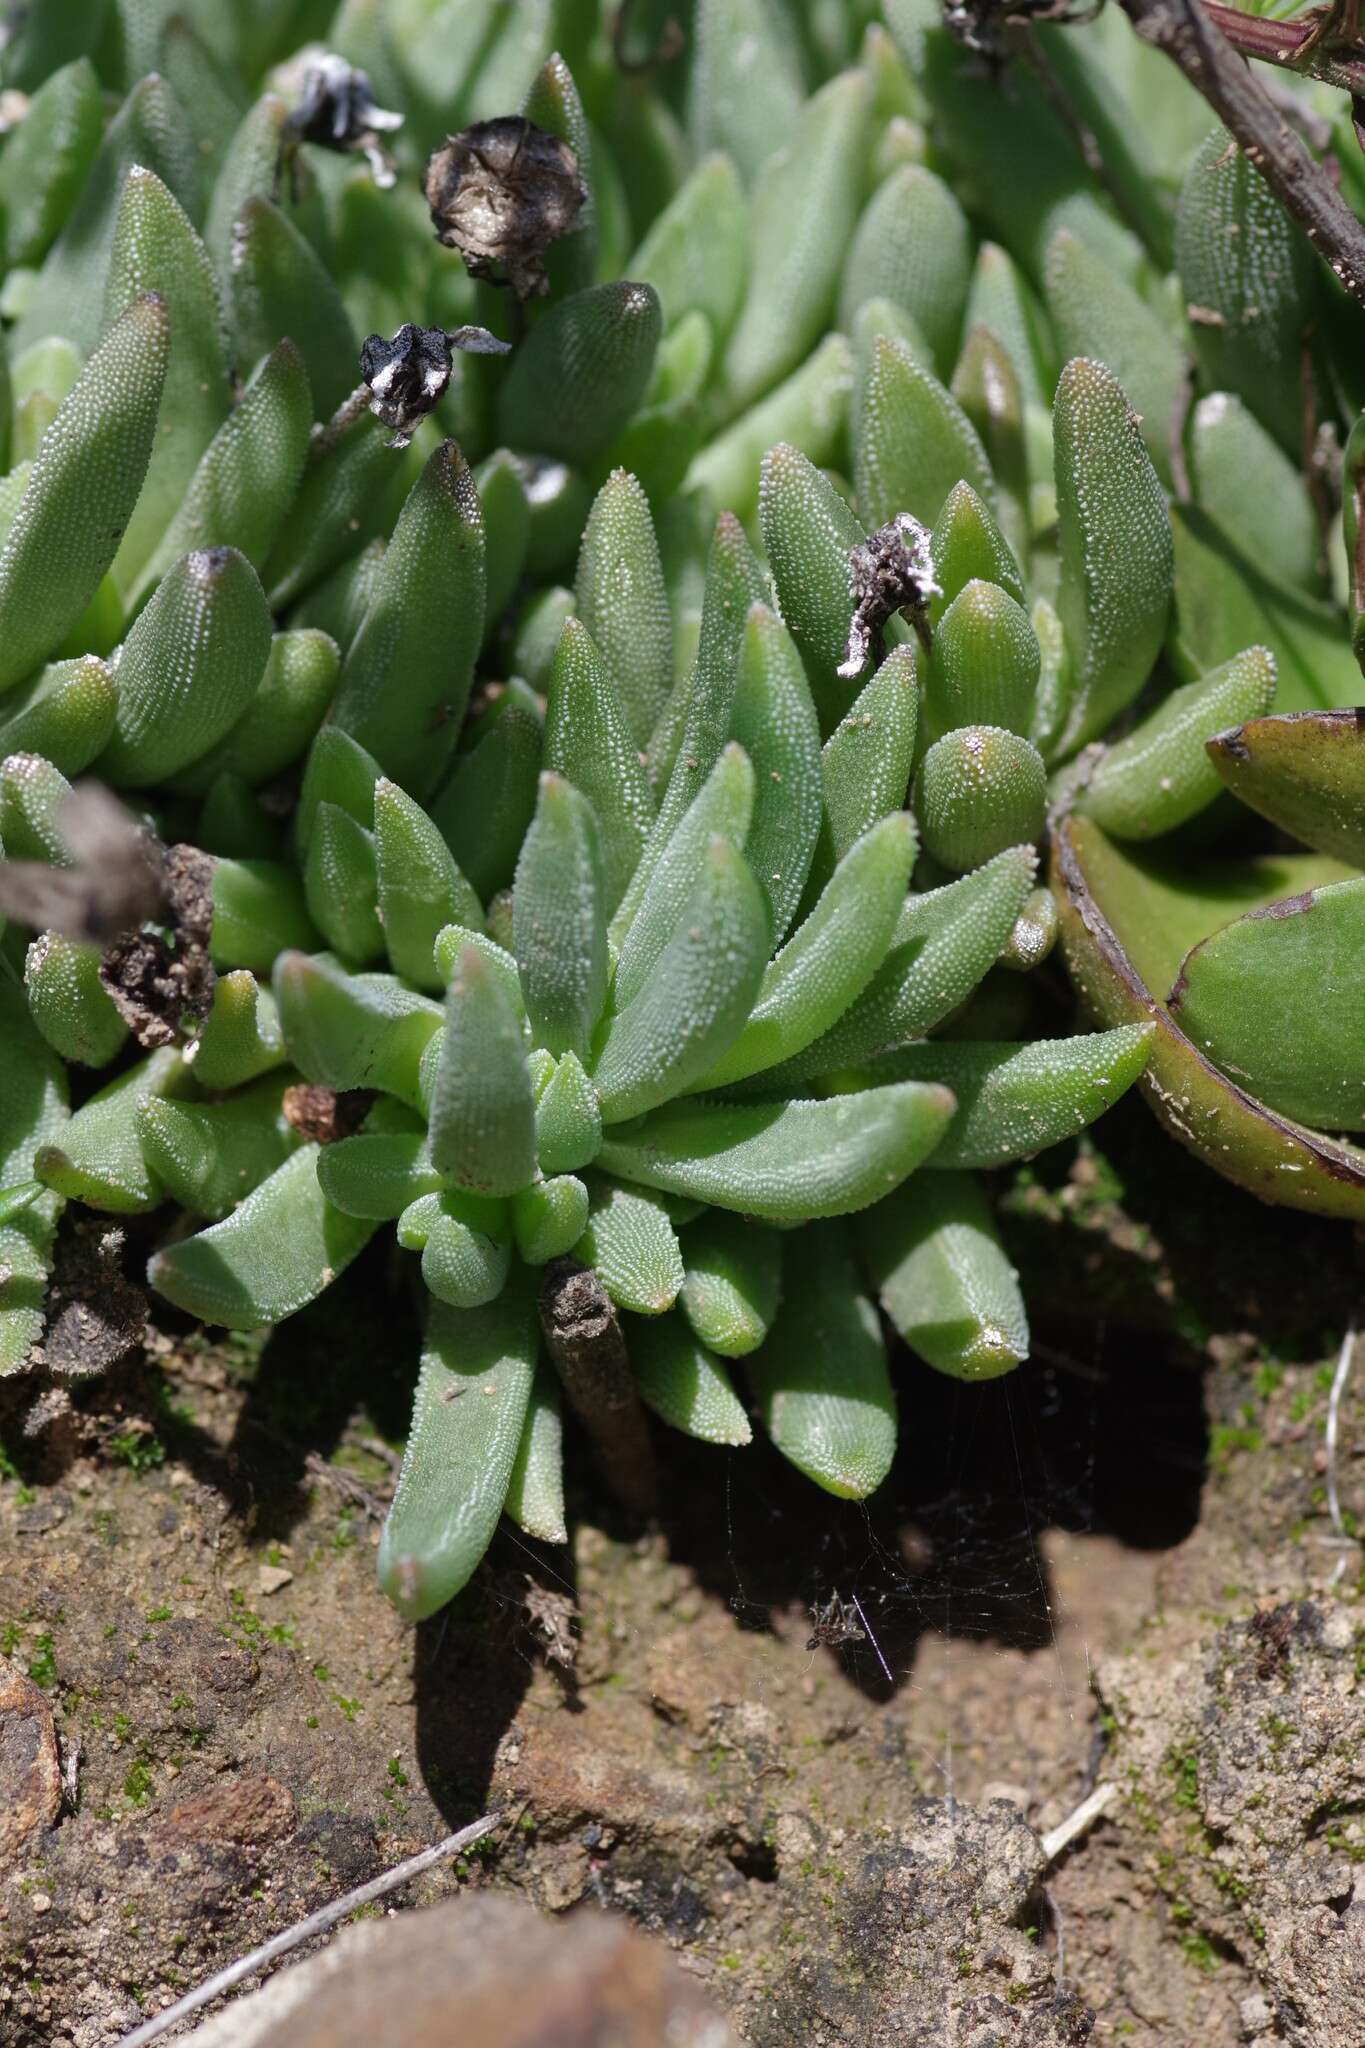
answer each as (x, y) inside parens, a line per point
(337, 111)
(501, 192)
(891, 571)
(161, 978)
(408, 375)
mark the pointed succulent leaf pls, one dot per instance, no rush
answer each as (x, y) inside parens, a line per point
(341, 886)
(33, 796)
(575, 382)
(1236, 470)
(723, 807)
(623, 602)
(189, 667)
(246, 479)
(966, 545)
(535, 1491)
(630, 1243)
(487, 805)
(805, 205)
(588, 742)
(559, 920)
(866, 762)
(406, 679)
(808, 410)
(258, 912)
(568, 1119)
(208, 1156)
(155, 248)
(696, 253)
(337, 605)
(340, 772)
(774, 721)
(986, 385)
(69, 1003)
(821, 1379)
(944, 1279)
(1306, 773)
(734, 582)
(979, 790)
(149, 131)
(1273, 999)
(1125, 926)
(450, 945)
(353, 1030)
(732, 1280)
(1247, 274)
(333, 512)
(913, 245)
(784, 1162)
(482, 1112)
(97, 1158)
(1097, 313)
(1002, 301)
(985, 665)
(830, 958)
(460, 1452)
(911, 440)
(1015, 1100)
(686, 1384)
(693, 1006)
(269, 1258)
(46, 158)
(420, 888)
(506, 518)
(285, 712)
(278, 285)
(1226, 601)
(1114, 543)
(67, 716)
(808, 534)
(1034, 934)
(744, 103)
(82, 489)
(240, 1038)
(462, 1264)
(377, 1173)
(548, 1219)
(33, 1111)
(944, 942)
(553, 103)
(1161, 773)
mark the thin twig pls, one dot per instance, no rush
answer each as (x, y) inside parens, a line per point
(316, 1923)
(352, 1490)
(1339, 1379)
(1086, 1814)
(1183, 31)
(1290, 47)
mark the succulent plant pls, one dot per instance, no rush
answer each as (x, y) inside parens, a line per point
(613, 864)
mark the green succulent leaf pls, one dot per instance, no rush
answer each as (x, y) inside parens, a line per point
(341, 885)
(696, 253)
(568, 1119)
(913, 246)
(979, 790)
(588, 742)
(487, 805)
(462, 1264)
(82, 489)
(1305, 773)
(784, 1162)
(685, 1383)
(559, 920)
(911, 439)
(209, 1156)
(577, 379)
(406, 678)
(732, 1282)
(482, 1111)
(468, 1417)
(278, 285)
(98, 1157)
(280, 719)
(821, 1380)
(420, 888)
(967, 545)
(698, 996)
(240, 1038)
(46, 158)
(808, 532)
(353, 1030)
(748, 110)
(631, 1244)
(258, 912)
(1096, 312)
(1161, 774)
(1114, 543)
(985, 666)
(944, 1279)
(535, 1491)
(774, 721)
(723, 807)
(377, 1174)
(66, 716)
(808, 409)
(622, 601)
(33, 1111)
(69, 1003)
(549, 1218)
(1236, 470)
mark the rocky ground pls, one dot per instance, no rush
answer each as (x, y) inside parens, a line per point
(1119, 1569)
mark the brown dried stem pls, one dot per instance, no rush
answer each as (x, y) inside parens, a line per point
(1185, 31)
(585, 1341)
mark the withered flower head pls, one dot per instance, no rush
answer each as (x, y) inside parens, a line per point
(501, 192)
(891, 571)
(408, 375)
(337, 111)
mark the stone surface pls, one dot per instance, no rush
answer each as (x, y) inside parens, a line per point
(478, 1973)
(30, 1769)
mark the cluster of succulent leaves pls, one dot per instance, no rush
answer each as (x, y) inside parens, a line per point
(539, 806)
